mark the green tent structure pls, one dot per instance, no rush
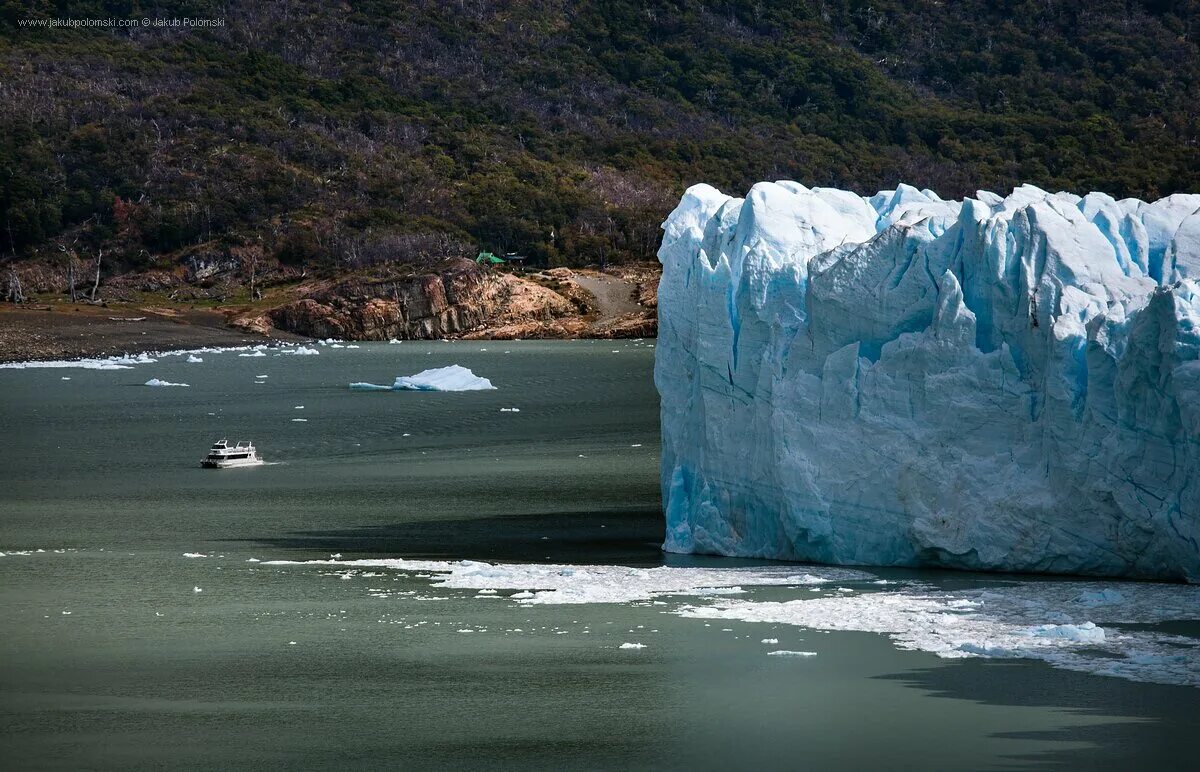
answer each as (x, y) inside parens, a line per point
(487, 258)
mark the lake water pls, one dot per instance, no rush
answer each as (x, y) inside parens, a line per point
(117, 651)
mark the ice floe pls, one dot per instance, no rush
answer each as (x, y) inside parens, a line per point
(160, 382)
(1091, 627)
(193, 359)
(1057, 622)
(565, 584)
(124, 362)
(451, 378)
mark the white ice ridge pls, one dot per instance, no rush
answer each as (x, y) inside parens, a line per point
(452, 378)
(124, 362)
(1067, 624)
(128, 361)
(999, 383)
(563, 584)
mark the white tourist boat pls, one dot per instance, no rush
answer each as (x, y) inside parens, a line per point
(222, 455)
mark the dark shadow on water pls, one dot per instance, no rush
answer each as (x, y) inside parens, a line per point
(627, 537)
(1136, 725)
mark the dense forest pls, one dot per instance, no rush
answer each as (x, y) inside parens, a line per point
(341, 134)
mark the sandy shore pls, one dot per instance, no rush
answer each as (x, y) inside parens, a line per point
(69, 331)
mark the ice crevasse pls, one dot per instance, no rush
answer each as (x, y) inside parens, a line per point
(1001, 383)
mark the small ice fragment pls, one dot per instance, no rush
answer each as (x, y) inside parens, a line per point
(253, 560)
(160, 382)
(255, 353)
(298, 407)
(66, 377)
(770, 640)
(194, 555)
(197, 589)
(632, 646)
(636, 445)
(193, 359)
(786, 653)
(299, 420)
(510, 410)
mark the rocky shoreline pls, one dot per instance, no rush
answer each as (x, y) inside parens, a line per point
(456, 299)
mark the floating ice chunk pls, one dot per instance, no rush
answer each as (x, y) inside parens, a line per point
(452, 378)
(299, 420)
(510, 410)
(632, 646)
(262, 376)
(254, 353)
(253, 560)
(301, 351)
(160, 382)
(1084, 633)
(769, 640)
(193, 359)
(66, 378)
(197, 589)
(363, 386)
(787, 653)
(298, 407)
(194, 555)
(1100, 597)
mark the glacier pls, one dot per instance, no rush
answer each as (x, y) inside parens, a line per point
(1000, 383)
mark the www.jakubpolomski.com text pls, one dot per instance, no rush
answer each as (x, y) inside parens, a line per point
(106, 23)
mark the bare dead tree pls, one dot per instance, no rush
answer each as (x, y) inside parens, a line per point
(68, 253)
(15, 293)
(96, 286)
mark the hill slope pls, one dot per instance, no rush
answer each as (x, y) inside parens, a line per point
(336, 136)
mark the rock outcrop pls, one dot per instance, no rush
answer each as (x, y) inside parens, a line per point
(451, 300)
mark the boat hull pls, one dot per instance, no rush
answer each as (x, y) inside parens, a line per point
(231, 463)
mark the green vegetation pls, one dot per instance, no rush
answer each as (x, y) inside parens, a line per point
(342, 134)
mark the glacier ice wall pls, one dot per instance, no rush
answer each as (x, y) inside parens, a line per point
(1003, 383)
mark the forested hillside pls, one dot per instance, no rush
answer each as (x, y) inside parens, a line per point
(337, 135)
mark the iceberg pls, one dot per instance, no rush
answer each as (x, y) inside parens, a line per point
(452, 378)
(160, 382)
(999, 383)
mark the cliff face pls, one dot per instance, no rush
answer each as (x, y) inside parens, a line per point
(451, 300)
(1004, 383)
